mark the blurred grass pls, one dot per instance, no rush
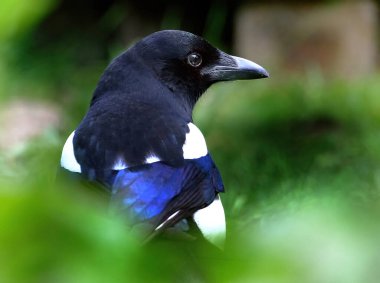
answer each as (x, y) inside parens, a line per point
(301, 165)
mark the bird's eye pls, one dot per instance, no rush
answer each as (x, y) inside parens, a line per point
(194, 59)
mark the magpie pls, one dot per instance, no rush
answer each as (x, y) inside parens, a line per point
(138, 139)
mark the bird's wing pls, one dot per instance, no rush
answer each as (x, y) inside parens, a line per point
(162, 195)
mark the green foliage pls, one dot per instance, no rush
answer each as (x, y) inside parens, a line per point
(19, 16)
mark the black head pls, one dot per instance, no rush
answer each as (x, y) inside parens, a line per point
(180, 61)
(188, 64)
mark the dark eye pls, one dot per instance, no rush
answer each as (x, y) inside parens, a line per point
(194, 59)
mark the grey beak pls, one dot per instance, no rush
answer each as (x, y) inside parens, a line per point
(250, 69)
(232, 68)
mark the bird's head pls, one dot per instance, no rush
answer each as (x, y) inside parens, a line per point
(187, 64)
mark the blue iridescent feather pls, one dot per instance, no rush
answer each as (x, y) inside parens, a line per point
(147, 192)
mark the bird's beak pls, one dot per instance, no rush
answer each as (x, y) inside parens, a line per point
(231, 68)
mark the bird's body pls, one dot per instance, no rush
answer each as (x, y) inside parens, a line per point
(138, 138)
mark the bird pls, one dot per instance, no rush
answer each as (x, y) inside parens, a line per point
(138, 139)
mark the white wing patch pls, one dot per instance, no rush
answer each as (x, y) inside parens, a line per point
(68, 160)
(212, 223)
(195, 144)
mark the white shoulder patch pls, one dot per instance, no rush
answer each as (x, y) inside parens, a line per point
(195, 144)
(68, 160)
(212, 223)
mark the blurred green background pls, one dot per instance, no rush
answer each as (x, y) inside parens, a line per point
(299, 154)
